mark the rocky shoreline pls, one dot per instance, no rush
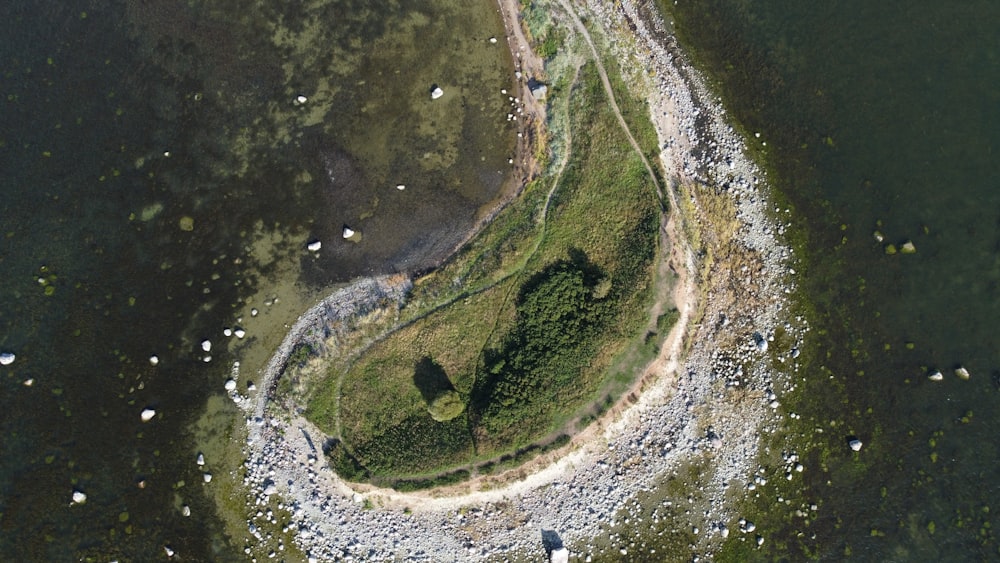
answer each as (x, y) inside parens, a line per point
(715, 388)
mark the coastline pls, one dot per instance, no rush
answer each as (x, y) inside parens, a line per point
(685, 408)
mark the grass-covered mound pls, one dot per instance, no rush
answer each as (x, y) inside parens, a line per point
(513, 338)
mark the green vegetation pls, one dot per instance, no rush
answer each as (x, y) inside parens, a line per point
(496, 353)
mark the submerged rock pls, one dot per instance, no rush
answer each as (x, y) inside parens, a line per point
(79, 497)
(936, 376)
(147, 414)
(7, 358)
(962, 373)
(855, 444)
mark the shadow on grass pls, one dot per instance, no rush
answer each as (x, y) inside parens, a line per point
(431, 379)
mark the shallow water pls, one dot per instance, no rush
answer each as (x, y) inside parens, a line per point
(159, 180)
(882, 117)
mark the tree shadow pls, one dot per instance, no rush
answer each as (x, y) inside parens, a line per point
(431, 379)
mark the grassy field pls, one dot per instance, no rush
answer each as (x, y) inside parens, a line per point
(522, 324)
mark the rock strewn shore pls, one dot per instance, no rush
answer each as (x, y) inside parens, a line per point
(712, 394)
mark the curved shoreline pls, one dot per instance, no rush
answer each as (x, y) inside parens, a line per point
(681, 415)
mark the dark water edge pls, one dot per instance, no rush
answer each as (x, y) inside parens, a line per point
(158, 177)
(880, 117)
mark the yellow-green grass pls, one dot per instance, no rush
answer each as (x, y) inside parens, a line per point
(469, 316)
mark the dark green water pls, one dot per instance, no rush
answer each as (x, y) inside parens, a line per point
(114, 250)
(885, 111)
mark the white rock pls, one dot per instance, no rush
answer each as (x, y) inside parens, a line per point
(936, 376)
(29, 382)
(147, 414)
(168, 551)
(207, 359)
(962, 373)
(206, 345)
(493, 39)
(855, 444)
(7, 358)
(270, 489)
(358, 498)
(300, 99)
(227, 332)
(230, 385)
(314, 246)
(201, 459)
(186, 510)
(560, 555)
(251, 386)
(254, 312)
(240, 333)
(153, 360)
(436, 92)
(207, 477)
(400, 187)
(79, 497)
(348, 232)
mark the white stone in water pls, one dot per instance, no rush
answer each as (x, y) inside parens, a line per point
(207, 477)
(936, 376)
(300, 99)
(7, 358)
(147, 414)
(186, 510)
(400, 187)
(79, 497)
(855, 444)
(348, 232)
(436, 92)
(29, 382)
(207, 359)
(227, 332)
(240, 333)
(168, 551)
(230, 385)
(962, 373)
(153, 360)
(201, 459)
(206, 345)
(314, 246)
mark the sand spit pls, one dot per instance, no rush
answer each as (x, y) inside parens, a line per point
(707, 399)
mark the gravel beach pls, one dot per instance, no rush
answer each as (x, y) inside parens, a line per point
(707, 399)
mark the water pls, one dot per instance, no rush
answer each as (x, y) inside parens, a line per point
(160, 181)
(881, 117)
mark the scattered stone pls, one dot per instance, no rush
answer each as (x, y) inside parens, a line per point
(207, 359)
(890, 249)
(79, 497)
(348, 232)
(436, 92)
(168, 551)
(230, 385)
(154, 360)
(760, 342)
(147, 414)
(186, 223)
(207, 477)
(201, 459)
(879, 237)
(251, 386)
(300, 99)
(254, 312)
(855, 444)
(227, 332)
(400, 187)
(908, 247)
(206, 345)
(560, 555)
(28, 382)
(962, 373)
(358, 498)
(185, 510)
(936, 376)
(314, 246)
(240, 333)
(493, 40)
(7, 358)
(270, 489)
